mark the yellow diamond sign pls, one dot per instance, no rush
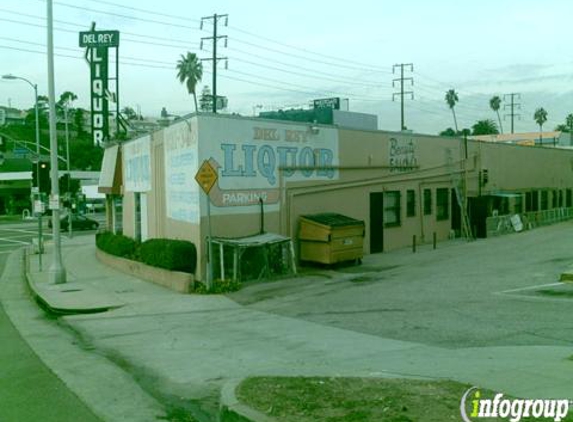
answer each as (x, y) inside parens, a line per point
(206, 176)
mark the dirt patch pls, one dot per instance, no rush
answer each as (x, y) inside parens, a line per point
(299, 399)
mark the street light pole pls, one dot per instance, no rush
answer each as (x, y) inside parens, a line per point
(57, 272)
(39, 213)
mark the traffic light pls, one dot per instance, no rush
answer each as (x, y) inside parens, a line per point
(44, 169)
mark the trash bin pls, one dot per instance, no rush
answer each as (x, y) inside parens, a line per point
(328, 238)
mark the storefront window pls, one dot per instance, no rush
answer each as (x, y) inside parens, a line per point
(392, 209)
(410, 203)
(442, 204)
(427, 202)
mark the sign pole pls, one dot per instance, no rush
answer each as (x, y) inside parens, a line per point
(209, 246)
(206, 177)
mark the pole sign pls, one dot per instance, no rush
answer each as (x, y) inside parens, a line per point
(91, 39)
(333, 103)
(97, 44)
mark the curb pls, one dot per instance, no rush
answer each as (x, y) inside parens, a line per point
(45, 303)
(232, 410)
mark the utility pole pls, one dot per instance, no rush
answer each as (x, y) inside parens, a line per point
(402, 79)
(57, 272)
(513, 105)
(215, 18)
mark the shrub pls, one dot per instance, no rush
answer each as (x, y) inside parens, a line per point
(219, 286)
(174, 255)
(116, 244)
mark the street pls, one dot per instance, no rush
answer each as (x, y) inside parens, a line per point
(29, 390)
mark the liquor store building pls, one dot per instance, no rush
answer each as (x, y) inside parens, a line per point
(402, 185)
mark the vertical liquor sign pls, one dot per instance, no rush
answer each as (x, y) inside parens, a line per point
(97, 44)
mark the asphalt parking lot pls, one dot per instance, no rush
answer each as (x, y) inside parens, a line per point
(493, 292)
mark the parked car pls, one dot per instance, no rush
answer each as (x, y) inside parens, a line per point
(79, 222)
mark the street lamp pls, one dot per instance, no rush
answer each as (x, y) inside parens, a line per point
(35, 87)
(57, 272)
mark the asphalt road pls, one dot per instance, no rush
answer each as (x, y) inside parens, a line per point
(29, 390)
(494, 292)
(18, 234)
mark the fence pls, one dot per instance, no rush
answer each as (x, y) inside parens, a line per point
(500, 225)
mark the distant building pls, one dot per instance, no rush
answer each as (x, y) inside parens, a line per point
(554, 138)
(13, 116)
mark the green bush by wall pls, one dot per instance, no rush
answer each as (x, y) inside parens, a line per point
(174, 255)
(170, 254)
(116, 244)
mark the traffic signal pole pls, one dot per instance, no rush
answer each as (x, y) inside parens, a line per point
(39, 213)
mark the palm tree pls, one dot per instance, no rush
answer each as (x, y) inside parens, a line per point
(190, 72)
(540, 117)
(495, 104)
(485, 127)
(569, 121)
(452, 99)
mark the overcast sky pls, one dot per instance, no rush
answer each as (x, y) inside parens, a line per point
(286, 53)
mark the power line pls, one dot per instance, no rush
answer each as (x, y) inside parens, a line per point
(119, 15)
(215, 38)
(512, 106)
(402, 79)
(75, 32)
(77, 25)
(187, 19)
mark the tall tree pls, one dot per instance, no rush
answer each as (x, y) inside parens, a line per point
(452, 99)
(540, 117)
(67, 97)
(485, 127)
(190, 72)
(495, 104)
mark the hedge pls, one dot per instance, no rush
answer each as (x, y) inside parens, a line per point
(174, 255)
(116, 244)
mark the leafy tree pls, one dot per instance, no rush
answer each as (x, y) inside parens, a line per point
(451, 99)
(448, 132)
(451, 132)
(129, 113)
(485, 127)
(540, 117)
(66, 98)
(190, 72)
(206, 99)
(78, 114)
(495, 104)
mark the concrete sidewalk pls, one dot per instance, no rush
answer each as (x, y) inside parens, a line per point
(188, 346)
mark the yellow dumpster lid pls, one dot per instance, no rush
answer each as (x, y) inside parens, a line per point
(333, 219)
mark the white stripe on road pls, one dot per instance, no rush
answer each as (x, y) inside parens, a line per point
(14, 241)
(530, 288)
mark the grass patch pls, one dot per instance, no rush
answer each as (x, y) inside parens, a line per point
(300, 399)
(556, 293)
